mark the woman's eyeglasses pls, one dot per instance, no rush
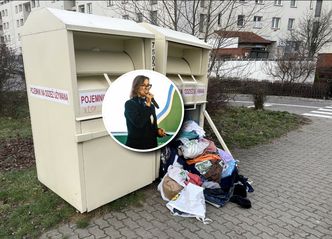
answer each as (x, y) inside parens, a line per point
(146, 86)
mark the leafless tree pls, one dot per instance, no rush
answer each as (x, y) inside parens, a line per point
(290, 69)
(297, 62)
(313, 33)
(11, 69)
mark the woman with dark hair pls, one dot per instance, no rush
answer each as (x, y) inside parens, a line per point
(141, 117)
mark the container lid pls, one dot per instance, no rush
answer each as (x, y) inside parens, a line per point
(48, 19)
(178, 37)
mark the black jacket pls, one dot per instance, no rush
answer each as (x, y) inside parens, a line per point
(141, 123)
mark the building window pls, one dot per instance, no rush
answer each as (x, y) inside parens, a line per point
(219, 19)
(21, 21)
(152, 2)
(89, 7)
(275, 22)
(2, 40)
(139, 17)
(154, 17)
(20, 7)
(292, 46)
(258, 21)
(259, 1)
(125, 17)
(110, 3)
(240, 20)
(38, 4)
(81, 8)
(6, 13)
(18, 23)
(33, 3)
(293, 3)
(202, 20)
(16, 9)
(318, 9)
(277, 2)
(1, 27)
(27, 8)
(290, 23)
(19, 36)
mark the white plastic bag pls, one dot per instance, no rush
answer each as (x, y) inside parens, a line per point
(190, 125)
(192, 148)
(177, 174)
(191, 202)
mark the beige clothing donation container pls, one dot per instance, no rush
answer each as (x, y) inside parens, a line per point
(66, 55)
(183, 58)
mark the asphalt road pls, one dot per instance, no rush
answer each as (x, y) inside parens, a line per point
(302, 106)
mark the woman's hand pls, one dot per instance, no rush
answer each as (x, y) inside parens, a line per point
(148, 99)
(161, 132)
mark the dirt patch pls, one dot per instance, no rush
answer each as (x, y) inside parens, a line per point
(16, 153)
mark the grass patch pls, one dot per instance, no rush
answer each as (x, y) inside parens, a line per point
(12, 127)
(241, 127)
(27, 208)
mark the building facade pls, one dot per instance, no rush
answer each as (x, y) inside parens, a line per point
(14, 14)
(270, 19)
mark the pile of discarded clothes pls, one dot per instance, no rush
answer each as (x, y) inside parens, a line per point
(194, 171)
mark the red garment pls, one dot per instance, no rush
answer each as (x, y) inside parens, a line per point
(203, 157)
(194, 179)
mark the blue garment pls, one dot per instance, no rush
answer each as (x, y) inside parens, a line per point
(189, 135)
(230, 166)
(228, 182)
(223, 194)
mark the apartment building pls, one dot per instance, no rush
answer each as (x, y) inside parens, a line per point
(270, 19)
(14, 14)
(278, 18)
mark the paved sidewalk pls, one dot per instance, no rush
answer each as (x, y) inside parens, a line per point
(292, 199)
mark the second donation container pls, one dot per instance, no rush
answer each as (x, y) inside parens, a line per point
(66, 55)
(183, 58)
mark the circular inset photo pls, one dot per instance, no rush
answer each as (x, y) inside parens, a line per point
(142, 110)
